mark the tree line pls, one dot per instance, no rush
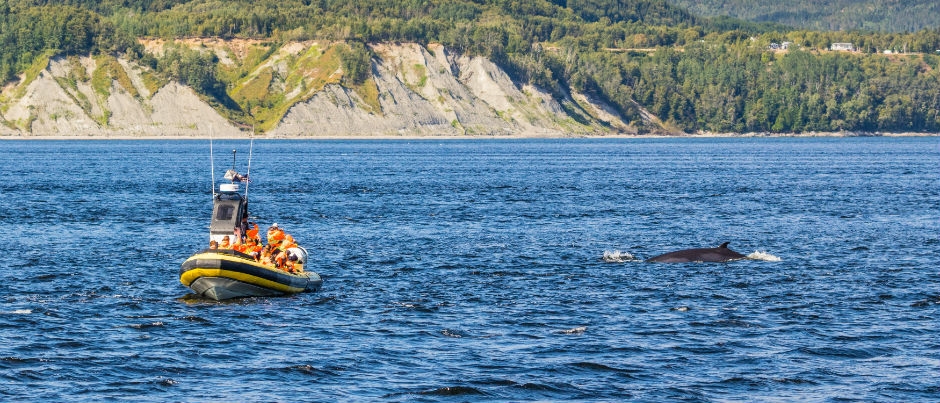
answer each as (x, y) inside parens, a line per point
(695, 73)
(832, 15)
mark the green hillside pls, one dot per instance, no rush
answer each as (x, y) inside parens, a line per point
(693, 73)
(832, 15)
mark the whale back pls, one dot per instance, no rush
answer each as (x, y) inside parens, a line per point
(720, 254)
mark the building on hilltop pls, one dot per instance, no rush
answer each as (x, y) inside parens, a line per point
(843, 46)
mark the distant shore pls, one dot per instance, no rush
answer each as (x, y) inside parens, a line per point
(463, 137)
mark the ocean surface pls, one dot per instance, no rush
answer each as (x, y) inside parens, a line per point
(481, 270)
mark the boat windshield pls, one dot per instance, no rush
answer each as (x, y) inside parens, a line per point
(224, 212)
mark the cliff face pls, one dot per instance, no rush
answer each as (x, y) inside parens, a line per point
(413, 91)
(58, 102)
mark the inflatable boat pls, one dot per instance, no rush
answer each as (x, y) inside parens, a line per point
(221, 272)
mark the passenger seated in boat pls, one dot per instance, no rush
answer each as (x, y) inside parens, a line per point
(213, 244)
(249, 247)
(280, 260)
(226, 243)
(240, 246)
(288, 243)
(252, 233)
(286, 261)
(267, 257)
(275, 235)
(253, 248)
(295, 267)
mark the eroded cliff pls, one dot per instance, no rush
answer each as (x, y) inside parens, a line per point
(297, 90)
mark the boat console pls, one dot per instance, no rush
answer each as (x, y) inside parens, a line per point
(228, 208)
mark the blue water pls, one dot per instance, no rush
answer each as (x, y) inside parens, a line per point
(481, 271)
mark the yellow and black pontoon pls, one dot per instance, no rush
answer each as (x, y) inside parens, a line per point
(222, 274)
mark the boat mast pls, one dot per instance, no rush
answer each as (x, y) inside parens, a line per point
(211, 164)
(251, 145)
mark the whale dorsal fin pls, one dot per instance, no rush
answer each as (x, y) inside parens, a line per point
(724, 245)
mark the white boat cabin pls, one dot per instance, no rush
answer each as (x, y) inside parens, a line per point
(228, 208)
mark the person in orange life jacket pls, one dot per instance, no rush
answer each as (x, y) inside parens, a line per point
(288, 243)
(295, 267)
(226, 243)
(286, 261)
(253, 248)
(267, 255)
(276, 260)
(275, 235)
(244, 236)
(252, 233)
(241, 247)
(246, 229)
(280, 260)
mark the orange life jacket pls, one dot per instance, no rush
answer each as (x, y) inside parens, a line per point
(256, 252)
(252, 233)
(275, 236)
(280, 260)
(288, 243)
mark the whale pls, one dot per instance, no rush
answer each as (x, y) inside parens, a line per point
(719, 254)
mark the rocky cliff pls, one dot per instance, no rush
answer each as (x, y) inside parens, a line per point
(413, 90)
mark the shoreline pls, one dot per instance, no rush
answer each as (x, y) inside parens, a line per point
(464, 137)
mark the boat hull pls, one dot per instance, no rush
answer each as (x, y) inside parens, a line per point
(226, 274)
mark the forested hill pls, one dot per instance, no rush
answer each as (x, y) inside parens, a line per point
(642, 57)
(830, 15)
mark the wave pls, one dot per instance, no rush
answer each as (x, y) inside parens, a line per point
(767, 257)
(453, 391)
(576, 330)
(146, 325)
(618, 257)
(451, 333)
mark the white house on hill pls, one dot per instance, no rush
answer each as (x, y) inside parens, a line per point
(842, 46)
